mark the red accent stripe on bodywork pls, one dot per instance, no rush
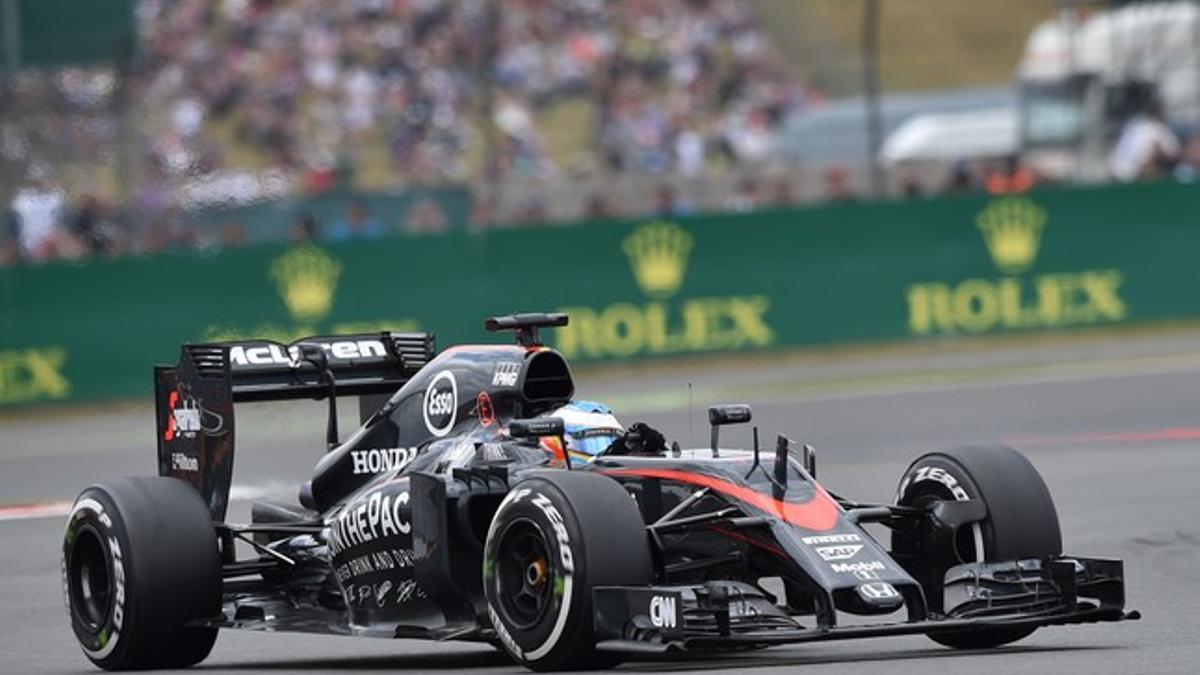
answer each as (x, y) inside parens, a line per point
(749, 540)
(819, 514)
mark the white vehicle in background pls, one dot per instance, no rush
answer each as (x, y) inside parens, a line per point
(1083, 75)
(942, 138)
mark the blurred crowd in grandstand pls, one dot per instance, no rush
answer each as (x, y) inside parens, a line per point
(294, 93)
(243, 100)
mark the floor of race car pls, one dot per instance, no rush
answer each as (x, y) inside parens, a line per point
(1112, 423)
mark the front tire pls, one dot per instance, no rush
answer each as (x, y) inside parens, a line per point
(140, 561)
(553, 539)
(1021, 522)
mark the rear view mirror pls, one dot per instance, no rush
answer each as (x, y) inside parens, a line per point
(538, 426)
(732, 413)
(542, 426)
(720, 415)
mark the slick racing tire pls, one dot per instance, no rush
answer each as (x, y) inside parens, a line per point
(1021, 522)
(140, 561)
(554, 538)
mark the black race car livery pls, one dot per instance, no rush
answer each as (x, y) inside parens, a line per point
(454, 513)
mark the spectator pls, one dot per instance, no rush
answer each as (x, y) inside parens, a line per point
(305, 229)
(532, 210)
(483, 213)
(92, 225)
(962, 178)
(750, 136)
(746, 198)
(783, 196)
(1010, 177)
(233, 235)
(39, 208)
(837, 184)
(426, 216)
(9, 249)
(598, 208)
(668, 203)
(1188, 169)
(1145, 147)
(157, 236)
(689, 151)
(356, 224)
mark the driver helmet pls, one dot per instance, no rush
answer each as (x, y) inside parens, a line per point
(588, 429)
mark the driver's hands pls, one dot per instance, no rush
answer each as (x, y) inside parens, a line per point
(639, 439)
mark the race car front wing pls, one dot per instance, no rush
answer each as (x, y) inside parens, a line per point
(722, 615)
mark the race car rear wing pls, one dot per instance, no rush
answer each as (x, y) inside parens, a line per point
(194, 398)
(361, 364)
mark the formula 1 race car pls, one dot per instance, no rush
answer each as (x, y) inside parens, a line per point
(456, 513)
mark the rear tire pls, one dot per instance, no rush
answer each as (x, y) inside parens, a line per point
(553, 539)
(140, 560)
(1021, 523)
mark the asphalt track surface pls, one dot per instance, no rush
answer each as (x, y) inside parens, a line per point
(1112, 423)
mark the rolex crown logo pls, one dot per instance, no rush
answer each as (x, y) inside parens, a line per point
(658, 253)
(306, 278)
(1012, 230)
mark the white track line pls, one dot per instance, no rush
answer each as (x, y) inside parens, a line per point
(58, 509)
(29, 511)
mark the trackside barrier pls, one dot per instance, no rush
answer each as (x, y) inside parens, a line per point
(634, 289)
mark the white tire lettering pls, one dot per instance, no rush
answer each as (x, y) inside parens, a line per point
(940, 475)
(566, 556)
(118, 614)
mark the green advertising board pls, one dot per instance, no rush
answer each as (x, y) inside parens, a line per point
(634, 289)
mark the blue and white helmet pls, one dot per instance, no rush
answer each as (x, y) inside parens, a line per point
(589, 428)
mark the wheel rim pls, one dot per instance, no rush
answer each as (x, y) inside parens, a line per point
(524, 576)
(90, 580)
